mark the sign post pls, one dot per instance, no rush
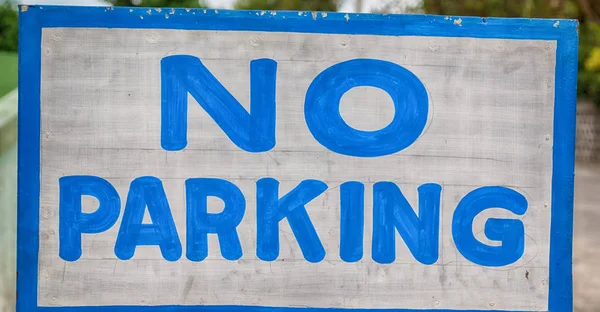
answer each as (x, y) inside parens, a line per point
(204, 160)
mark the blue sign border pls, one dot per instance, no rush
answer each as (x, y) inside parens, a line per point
(33, 18)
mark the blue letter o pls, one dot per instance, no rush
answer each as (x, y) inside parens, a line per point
(322, 108)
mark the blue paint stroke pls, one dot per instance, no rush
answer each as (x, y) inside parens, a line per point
(28, 197)
(270, 210)
(147, 192)
(253, 132)
(510, 232)
(322, 108)
(200, 222)
(352, 220)
(560, 294)
(392, 211)
(73, 221)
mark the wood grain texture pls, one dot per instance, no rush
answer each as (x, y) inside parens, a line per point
(490, 123)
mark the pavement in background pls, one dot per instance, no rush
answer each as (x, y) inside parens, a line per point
(8, 203)
(586, 242)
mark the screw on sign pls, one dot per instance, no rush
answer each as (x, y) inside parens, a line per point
(213, 160)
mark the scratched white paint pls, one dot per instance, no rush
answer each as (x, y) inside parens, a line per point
(490, 123)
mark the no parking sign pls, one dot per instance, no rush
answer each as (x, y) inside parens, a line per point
(204, 160)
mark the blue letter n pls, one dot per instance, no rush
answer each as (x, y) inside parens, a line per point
(253, 132)
(392, 211)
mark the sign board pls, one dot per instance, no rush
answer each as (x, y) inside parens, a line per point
(204, 160)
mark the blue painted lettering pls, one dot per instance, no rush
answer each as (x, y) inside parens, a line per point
(352, 206)
(73, 222)
(200, 223)
(253, 132)
(147, 192)
(392, 211)
(510, 232)
(322, 108)
(270, 210)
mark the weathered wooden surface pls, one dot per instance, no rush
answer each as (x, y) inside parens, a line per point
(490, 123)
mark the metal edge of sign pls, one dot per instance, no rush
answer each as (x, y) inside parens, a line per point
(33, 18)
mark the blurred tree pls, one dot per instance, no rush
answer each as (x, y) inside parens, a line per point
(582, 9)
(587, 11)
(9, 26)
(591, 10)
(589, 61)
(297, 5)
(161, 3)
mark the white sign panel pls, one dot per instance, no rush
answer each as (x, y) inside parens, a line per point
(267, 161)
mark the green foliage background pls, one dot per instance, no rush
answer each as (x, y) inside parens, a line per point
(160, 3)
(586, 11)
(296, 5)
(8, 28)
